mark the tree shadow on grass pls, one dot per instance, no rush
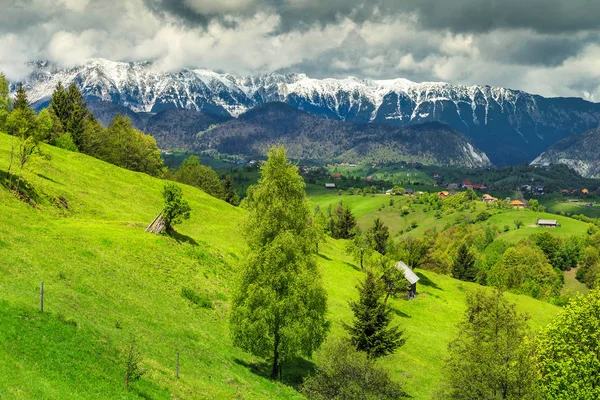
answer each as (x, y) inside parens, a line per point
(425, 281)
(354, 267)
(293, 371)
(400, 313)
(181, 238)
(49, 179)
(26, 192)
(324, 257)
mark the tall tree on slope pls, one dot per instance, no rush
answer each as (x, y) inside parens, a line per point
(279, 303)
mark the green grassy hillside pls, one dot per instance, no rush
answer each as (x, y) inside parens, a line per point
(106, 279)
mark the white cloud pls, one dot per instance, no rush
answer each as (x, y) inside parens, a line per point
(379, 44)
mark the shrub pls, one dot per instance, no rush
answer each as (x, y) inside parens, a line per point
(194, 297)
(344, 373)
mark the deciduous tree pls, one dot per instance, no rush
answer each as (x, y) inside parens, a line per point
(569, 351)
(279, 302)
(491, 358)
(176, 209)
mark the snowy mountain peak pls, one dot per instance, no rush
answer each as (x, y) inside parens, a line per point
(511, 126)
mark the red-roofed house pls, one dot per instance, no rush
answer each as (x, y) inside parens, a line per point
(337, 176)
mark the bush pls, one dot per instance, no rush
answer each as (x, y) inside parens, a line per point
(344, 373)
(483, 216)
(414, 223)
(192, 296)
(64, 141)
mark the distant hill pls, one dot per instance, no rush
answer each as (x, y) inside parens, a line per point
(311, 138)
(581, 152)
(511, 126)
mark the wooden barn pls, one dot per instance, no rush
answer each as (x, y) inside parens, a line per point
(411, 277)
(548, 223)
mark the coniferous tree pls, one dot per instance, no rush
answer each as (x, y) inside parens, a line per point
(21, 101)
(463, 267)
(343, 223)
(77, 113)
(380, 234)
(279, 305)
(370, 331)
(5, 101)
(60, 106)
(231, 195)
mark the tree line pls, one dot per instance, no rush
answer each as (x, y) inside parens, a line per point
(68, 123)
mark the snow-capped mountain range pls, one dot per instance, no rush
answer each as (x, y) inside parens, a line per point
(511, 126)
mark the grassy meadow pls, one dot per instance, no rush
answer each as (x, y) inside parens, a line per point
(106, 280)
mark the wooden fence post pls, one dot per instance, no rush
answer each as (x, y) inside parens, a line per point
(42, 297)
(177, 367)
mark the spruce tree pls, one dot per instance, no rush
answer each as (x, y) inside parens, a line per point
(380, 234)
(5, 101)
(279, 304)
(21, 101)
(59, 105)
(463, 267)
(77, 113)
(230, 194)
(370, 331)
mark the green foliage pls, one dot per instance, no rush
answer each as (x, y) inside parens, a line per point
(64, 141)
(21, 101)
(5, 101)
(568, 351)
(518, 223)
(230, 195)
(176, 209)
(414, 251)
(343, 373)
(483, 216)
(342, 223)
(360, 248)
(525, 269)
(77, 114)
(121, 144)
(279, 303)
(133, 359)
(589, 270)
(463, 267)
(191, 172)
(370, 331)
(491, 357)
(194, 297)
(380, 235)
(535, 205)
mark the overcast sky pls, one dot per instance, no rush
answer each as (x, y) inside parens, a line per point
(550, 47)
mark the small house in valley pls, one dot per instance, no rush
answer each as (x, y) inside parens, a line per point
(488, 199)
(443, 195)
(517, 204)
(548, 223)
(411, 277)
(330, 186)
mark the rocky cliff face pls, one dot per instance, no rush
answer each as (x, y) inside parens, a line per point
(581, 153)
(509, 125)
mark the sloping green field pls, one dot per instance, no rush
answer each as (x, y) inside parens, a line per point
(106, 280)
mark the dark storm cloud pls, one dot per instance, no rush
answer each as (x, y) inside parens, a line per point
(544, 16)
(551, 47)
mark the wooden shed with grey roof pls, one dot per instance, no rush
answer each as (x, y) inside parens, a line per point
(411, 277)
